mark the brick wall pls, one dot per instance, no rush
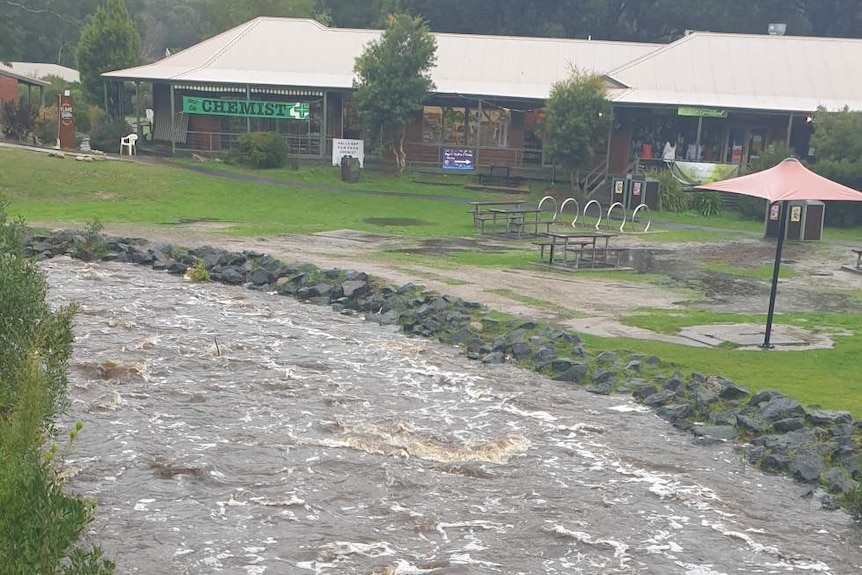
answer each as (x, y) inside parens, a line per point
(8, 89)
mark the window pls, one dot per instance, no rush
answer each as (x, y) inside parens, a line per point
(494, 129)
(444, 125)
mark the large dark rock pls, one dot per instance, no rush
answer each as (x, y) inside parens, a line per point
(495, 357)
(229, 275)
(780, 408)
(806, 465)
(789, 424)
(602, 388)
(821, 417)
(261, 276)
(763, 396)
(354, 288)
(574, 374)
(660, 398)
(725, 432)
(674, 412)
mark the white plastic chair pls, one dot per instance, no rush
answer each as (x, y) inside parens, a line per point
(129, 143)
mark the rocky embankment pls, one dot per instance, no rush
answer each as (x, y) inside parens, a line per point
(819, 448)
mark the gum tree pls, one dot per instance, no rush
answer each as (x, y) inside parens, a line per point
(394, 78)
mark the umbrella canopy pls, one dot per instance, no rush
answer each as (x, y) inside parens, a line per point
(789, 180)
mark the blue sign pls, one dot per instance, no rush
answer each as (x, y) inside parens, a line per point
(458, 159)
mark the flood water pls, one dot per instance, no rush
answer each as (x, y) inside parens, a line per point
(232, 431)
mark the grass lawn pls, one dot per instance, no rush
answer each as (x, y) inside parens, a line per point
(43, 189)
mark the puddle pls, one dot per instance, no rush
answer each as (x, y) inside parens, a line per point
(446, 246)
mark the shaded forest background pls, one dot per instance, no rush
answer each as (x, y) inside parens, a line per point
(48, 30)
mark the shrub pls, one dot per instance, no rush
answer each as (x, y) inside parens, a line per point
(90, 245)
(706, 203)
(18, 119)
(106, 133)
(40, 526)
(198, 272)
(45, 127)
(752, 208)
(262, 150)
(672, 194)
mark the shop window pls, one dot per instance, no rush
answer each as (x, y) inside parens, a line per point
(494, 129)
(444, 125)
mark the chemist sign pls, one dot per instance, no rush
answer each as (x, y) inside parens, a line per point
(352, 148)
(246, 108)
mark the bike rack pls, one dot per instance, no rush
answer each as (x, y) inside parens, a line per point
(552, 199)
(598, 205)
(577, 209)
(649, 218)
(611, 209)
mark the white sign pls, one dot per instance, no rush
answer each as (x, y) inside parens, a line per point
(352, 148)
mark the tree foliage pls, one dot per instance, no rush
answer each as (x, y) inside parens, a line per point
(394, 78)
(109, 41)
(577, 118)
(837, 143)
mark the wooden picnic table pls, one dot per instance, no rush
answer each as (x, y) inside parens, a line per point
(517, 219)
(583, 240)
(481, 210)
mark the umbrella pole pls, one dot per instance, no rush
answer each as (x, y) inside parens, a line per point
(782, 230)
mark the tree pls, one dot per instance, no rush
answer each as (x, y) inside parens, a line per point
(222, 15)
(837, 143)
(394, 79)
(577, 118)
(109, 41)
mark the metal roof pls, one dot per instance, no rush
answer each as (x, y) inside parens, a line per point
(755, 72)
(304, 53)
(40, 70)
(6, 71)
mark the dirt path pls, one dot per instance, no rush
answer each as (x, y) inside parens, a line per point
(589, 305)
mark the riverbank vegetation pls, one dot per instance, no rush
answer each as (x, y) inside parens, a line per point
(40, 525)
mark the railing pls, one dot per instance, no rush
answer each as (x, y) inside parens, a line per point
(219, 142)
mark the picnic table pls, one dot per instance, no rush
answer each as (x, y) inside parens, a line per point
(517, 219)
(858, 253)
(581, 244)
(482, 210)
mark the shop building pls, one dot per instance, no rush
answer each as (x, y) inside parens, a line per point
(706, 98)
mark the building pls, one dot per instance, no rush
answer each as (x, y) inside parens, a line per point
(10, 80)
(41, 70)
(710, 98)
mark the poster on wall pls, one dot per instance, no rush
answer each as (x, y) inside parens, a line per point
(795, 213)
(460, 159)
(352, 148)
(636, 188)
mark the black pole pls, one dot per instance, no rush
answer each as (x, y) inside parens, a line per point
(782, 230)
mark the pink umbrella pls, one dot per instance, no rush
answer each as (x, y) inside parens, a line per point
(789, 180)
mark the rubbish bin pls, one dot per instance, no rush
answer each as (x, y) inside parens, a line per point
(349, 169)
(804, 220)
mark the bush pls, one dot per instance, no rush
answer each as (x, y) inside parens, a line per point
(672, 195)
(40, 526)
(262, 150)
(706, 203)
(106, 133)
(45, 127)
(752, 208)
(18, 119)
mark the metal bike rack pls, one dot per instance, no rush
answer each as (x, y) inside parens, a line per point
(611, 209)
(598, 205)
(577, 209)
(649, 218)
(552, 199)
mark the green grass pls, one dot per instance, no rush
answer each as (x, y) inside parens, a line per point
(828, 378)
(763, 272)
(55, 190)
(562, 312)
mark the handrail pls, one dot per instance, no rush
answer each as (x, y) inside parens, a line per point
(635, 215)
(587, 207)
(577, 209)
(622, 207)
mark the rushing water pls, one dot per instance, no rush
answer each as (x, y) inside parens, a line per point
(231, 431)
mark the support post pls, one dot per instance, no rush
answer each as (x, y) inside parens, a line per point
(138, 108)
(782, 230)
(478, 134)
(248, 118)
(173, 122)
(30, 95)
(608, 150)
(699, 133)
(324, 126)
(789, 129)
(105, 87)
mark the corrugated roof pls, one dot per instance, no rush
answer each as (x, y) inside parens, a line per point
(9, 73)
(757, 72)
(40, 70)
(298, 52)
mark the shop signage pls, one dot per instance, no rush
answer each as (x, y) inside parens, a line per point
(694, 173)
(701, 112)
(352, 148)
(246, 108)
(458, 159)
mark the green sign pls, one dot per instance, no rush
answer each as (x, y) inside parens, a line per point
(246, 108)
(701, 112)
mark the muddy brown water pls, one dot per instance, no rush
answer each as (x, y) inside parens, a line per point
(232, 431)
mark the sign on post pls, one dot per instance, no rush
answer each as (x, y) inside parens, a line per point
(246, 108)
(460, 159)
(352, 148)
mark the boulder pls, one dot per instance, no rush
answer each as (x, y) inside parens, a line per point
(574, 374)
(779, 407)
